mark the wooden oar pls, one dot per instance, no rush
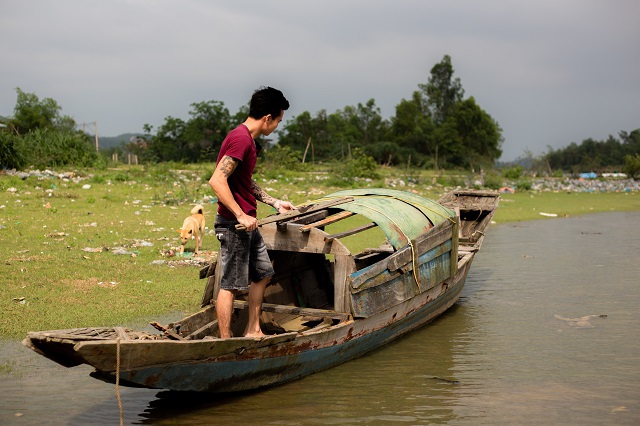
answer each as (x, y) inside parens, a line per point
(298, 211)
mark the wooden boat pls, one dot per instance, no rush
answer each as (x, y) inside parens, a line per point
(325, 305)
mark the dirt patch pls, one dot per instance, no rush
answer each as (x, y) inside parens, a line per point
(88, 284)
(173, 258)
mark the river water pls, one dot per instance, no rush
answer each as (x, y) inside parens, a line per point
(512, 351)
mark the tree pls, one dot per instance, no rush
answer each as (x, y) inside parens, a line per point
(631, 142)
(412, 126)
(593, 155)
(334, 135)
(204, 132)
(196, 139)
(632, 165)
(309, 135)
(372, 126)
(168, 142)
(31, 113)
(442, 92)
(357, 127)
(460, 133)
(41, 136)
(479, 135)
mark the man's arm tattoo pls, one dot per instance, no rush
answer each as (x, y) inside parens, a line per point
(261, 195)
(227, 165)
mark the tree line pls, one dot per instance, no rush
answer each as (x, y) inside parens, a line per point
(611, 155)
(436, 127)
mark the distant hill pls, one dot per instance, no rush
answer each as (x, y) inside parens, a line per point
(106, 142)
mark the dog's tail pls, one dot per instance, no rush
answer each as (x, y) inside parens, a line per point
(197, 209)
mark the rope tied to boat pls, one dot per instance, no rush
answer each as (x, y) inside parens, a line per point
(118, 380)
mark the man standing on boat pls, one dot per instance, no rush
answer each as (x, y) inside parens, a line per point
(243, 254)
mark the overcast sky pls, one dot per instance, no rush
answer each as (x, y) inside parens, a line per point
(549, 72)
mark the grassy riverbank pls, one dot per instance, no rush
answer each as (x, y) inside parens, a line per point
(89, 249)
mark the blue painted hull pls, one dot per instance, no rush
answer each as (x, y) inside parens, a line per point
(297, 359)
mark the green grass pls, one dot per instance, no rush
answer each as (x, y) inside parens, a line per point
(50, 278)
(7, 367)
(528, 206)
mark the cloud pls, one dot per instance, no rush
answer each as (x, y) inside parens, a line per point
(550, 73)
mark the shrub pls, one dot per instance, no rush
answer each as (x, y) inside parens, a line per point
(632, 165)
(279, 161)
(512, 173)
(388, 153)
(10, 155)
(449, 180)
(524, 185)
(44, 148)
(493, 181)
(361, 165)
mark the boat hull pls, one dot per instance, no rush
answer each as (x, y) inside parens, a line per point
(299, 358)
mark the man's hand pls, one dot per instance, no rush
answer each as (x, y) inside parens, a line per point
(249, 222)
(283, 206)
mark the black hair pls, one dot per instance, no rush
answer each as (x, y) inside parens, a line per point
(265, 101)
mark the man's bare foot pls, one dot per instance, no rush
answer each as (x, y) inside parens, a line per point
(256, 335)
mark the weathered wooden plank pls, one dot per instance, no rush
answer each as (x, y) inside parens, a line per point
(350, 232)
(376, 275)
(471, 201)
(207, 271)
(283, 217)
(382, 249)
(142, 353)
(295, 324)
(327, 221)
(391, 288)
(170, 333)
(467, 249)
(436, 236)
(455, 236)
(307, 242)
(206, 330)
(195, 321)
(122, 333)
(295, 310)
(310, 218)
(440, 234)
(323, 325)
(344, 266)
(63, 337)
(213, 285)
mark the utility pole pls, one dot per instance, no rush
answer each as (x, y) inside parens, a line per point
(95, 126)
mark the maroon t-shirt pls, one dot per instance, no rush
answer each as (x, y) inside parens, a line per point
(240, 145)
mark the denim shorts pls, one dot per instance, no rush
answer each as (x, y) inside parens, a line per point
(243, 255)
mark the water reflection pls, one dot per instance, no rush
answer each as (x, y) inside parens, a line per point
(500, 356)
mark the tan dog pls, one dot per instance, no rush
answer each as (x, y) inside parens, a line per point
(193, 227)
